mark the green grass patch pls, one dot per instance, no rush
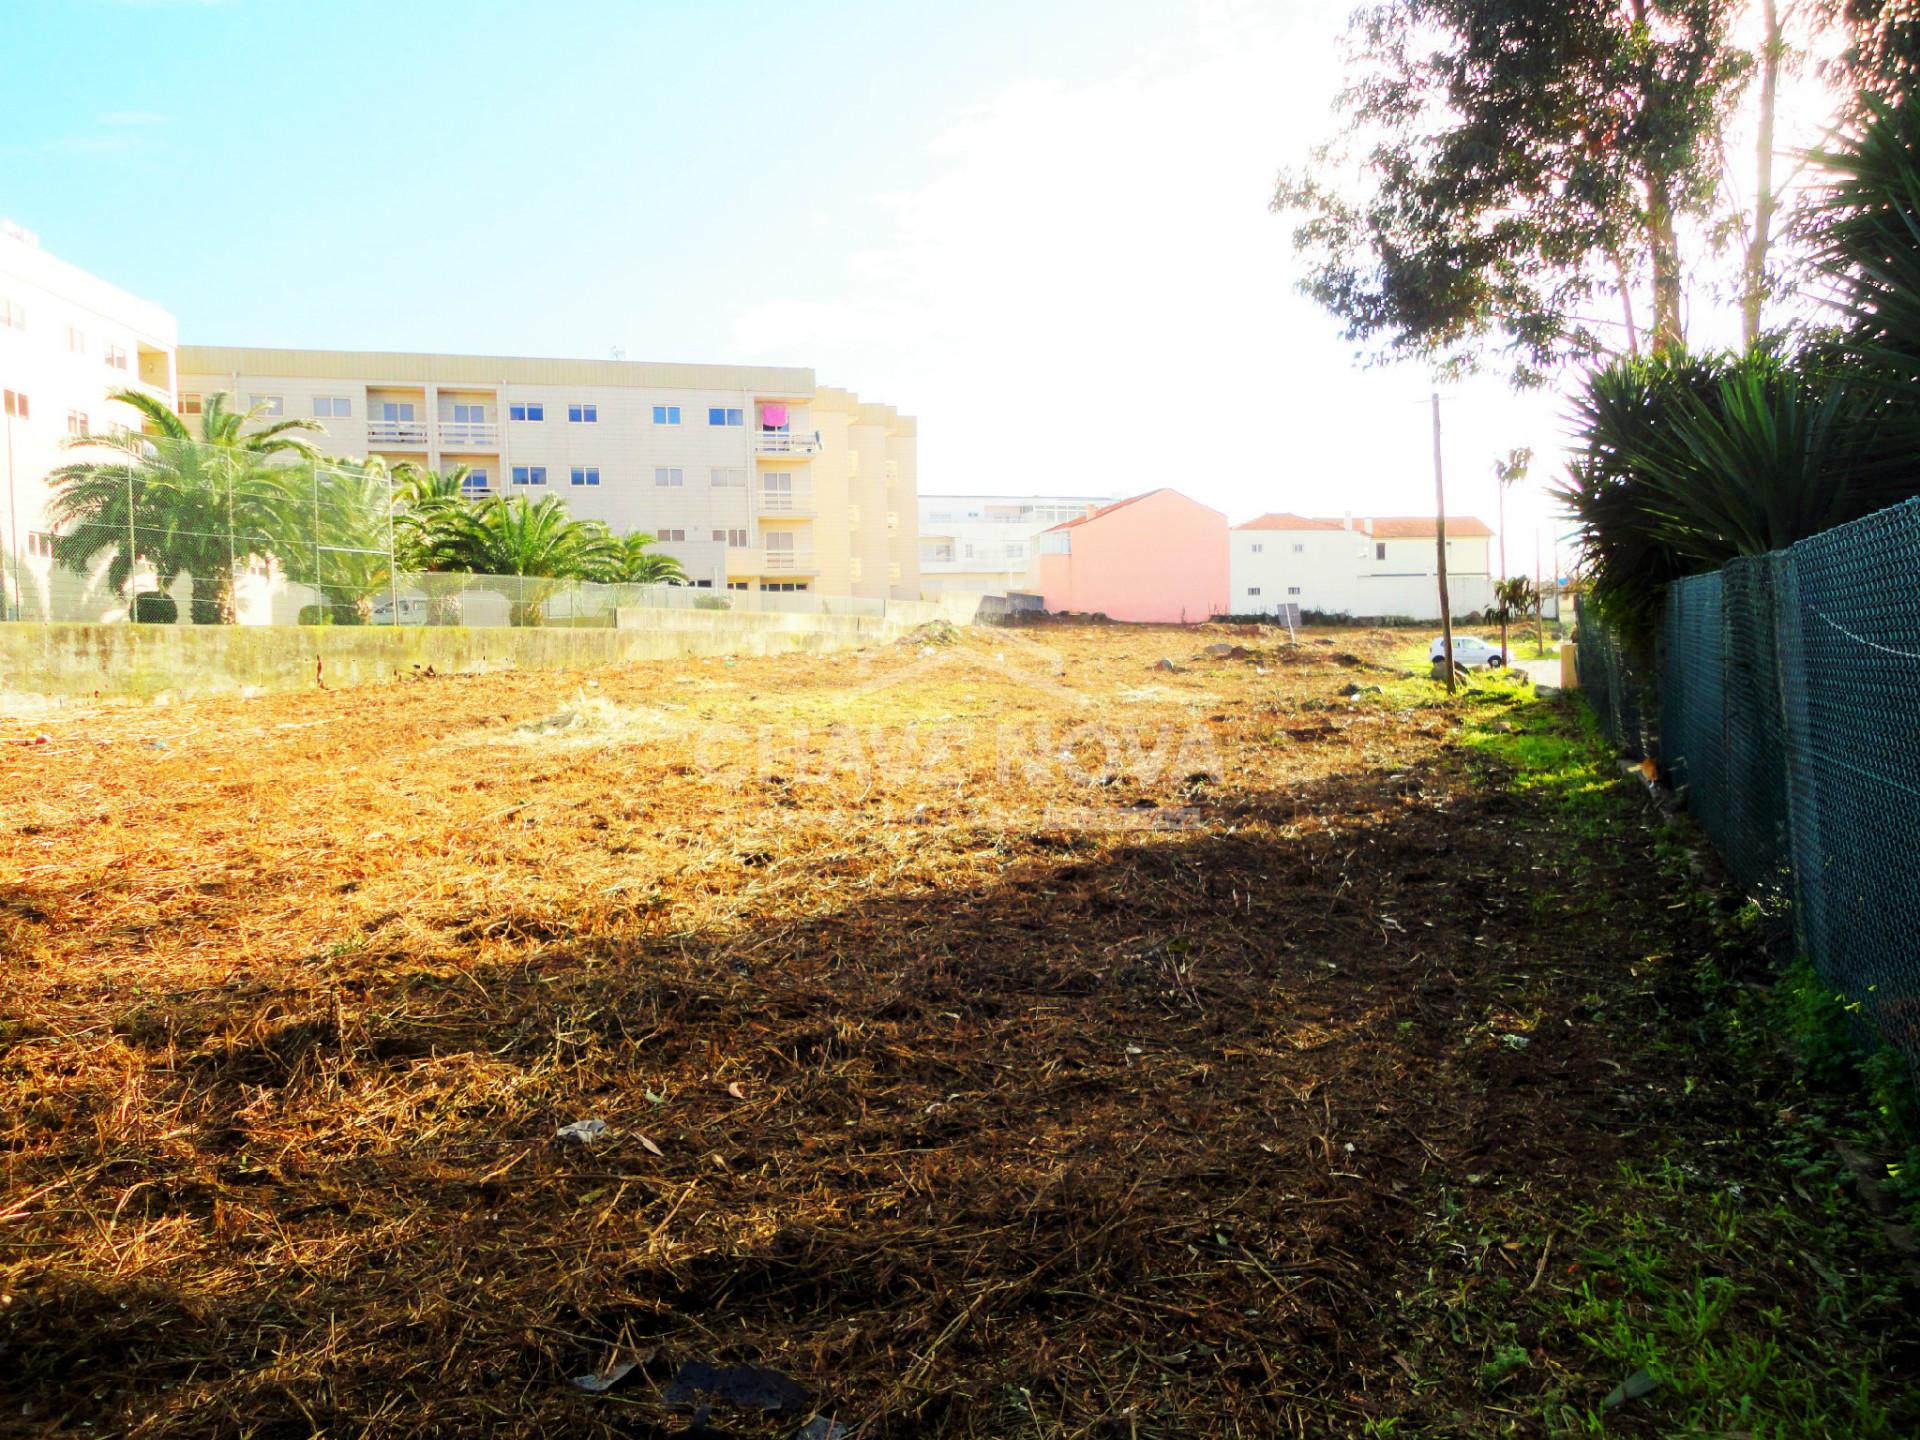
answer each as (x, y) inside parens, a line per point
(1728, 1276)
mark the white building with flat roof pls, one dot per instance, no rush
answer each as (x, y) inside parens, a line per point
(985, 544)
(1380, 568)
(753, 477)
(68, 340)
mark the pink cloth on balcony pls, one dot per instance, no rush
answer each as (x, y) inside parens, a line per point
(774, 417)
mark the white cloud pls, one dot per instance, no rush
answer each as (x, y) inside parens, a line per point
(1088, 293)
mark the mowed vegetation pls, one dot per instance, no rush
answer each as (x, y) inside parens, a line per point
(995, 1035)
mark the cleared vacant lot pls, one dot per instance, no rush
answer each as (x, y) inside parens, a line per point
(996, 1036)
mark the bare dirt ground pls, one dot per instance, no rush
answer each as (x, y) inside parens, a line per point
(995, 1037)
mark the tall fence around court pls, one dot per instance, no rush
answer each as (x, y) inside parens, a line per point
(1788, 707)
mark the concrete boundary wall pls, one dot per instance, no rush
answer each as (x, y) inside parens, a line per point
(42, 662)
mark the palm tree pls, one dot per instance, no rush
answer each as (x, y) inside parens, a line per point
(632, 560)
(422, 502)
(184, 503)
(1510, 595)
(526, 548)
(342, 546)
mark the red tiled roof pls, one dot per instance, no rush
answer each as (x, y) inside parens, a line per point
(1415, 527)
(1096, 514)
(1290, 522)
(1388, 527)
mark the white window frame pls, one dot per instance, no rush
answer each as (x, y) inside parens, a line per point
(536, 476)
(274, 405)
(332, 407)
(585, 475)
(669, 476)
(666, 414)
(583, 412)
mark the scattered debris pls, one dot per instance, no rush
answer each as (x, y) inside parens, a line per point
(750, 1386)
(613, 1372)
(1641, 1382)
(1165, 664)
(581, 1132)
(934, 632)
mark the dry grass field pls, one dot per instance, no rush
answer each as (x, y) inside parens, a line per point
(998, 1035)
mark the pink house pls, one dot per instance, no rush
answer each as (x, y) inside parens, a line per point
(1156, 557)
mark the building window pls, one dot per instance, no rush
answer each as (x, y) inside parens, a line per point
(1258, 548)
(76, 340)
(728, 477)
(332, 407)
(669, 475)
(76, 422)
(1056, 544)
(586, 474)
(583, 414)
(39, 544)
(476, 481)
(13, 314)
(1300, 549)
(190, 404)
(17, 405)
(718, 415)
(739, 584)
(735, 538)
(529, 411)
(671, 535)
(1380, 551)
(666, 414)
(785, 586)
(529, 474)
(1293, 589)
(1253, 589)
(267, 404)
(117, 356)
(469, 414)
(397, 411)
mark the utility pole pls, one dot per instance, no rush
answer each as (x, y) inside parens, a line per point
(1539, 621)
(16, 608)
(1440, 530)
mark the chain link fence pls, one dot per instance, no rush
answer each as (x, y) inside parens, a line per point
(187, 533)
(1788, 709)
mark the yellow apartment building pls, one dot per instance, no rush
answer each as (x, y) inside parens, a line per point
(753, 477)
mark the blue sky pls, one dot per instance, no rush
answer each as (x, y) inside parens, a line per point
(1039, 226)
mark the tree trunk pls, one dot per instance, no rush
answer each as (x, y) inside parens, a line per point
(1754, 277)
(212, 601)
(1663, 250)
(1626, 304)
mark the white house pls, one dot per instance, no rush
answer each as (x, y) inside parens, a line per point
(985, 544)
(1385, 567)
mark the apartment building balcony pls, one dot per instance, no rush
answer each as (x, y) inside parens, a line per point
(784, 502)
(463, 434)
(756, 561)
(788, 443)
(397, 432)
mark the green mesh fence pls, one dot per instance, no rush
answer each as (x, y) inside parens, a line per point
(1611, 687)
(1789, 724)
